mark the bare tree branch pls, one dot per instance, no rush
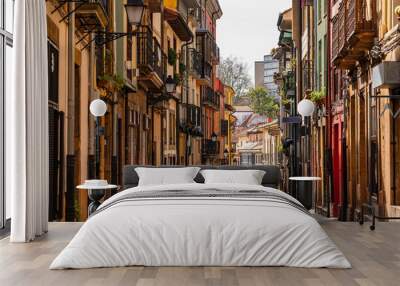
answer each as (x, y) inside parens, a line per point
(235, 73)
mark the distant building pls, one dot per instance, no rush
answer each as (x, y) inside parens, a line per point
(264, 74)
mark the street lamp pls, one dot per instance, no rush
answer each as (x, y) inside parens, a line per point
(306, 107)
(98, 108)
(214, 137)
(170, 84)
(226, 154)
(134, 10)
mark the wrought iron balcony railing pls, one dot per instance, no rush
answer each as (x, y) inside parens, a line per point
(209, 97)
(190, 119)
(194, 115)
(206, 73)
(210, 148)
(195, 62)
(151, 57)
(216, 53)
(353, 31)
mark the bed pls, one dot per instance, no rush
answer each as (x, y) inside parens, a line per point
(197, 224)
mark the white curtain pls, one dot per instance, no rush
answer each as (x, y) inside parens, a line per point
(27, 124)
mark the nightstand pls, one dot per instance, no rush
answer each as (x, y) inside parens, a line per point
(95, 194)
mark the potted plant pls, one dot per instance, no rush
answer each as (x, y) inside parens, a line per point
(178, 79)
(286, 103)
(111, 83)
(182, 68)
(104, 82)
(172, 56)
(318, 96)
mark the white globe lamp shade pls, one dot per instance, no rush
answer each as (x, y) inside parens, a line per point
(306, 107)
(98, 108)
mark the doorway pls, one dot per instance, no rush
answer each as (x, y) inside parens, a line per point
(395, 200)
(55, 136)
(337, 168)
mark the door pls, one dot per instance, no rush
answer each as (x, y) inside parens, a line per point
(395, 200)
(77, 122)
(336, 168)
(373, 152)
(54, 135)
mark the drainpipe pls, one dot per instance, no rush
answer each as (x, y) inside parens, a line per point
(186, 82)
(299, 86)
(162, 108)
(309, 85)
(328, 101)
(114, 106)
(70, 195)
(92, 96)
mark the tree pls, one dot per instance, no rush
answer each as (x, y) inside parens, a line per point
(262, 103)
(235, 73)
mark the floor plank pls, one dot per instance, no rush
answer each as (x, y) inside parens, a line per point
(375, 257)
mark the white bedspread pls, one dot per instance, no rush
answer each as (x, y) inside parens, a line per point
(200, 232)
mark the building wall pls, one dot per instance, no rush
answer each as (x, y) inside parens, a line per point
(259, 74)
(58, 35)
(264, 74)
(388, 126)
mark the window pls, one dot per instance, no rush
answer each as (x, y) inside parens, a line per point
(269, 72)
(6, 62)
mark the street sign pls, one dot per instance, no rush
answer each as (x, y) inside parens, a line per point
(292, 120)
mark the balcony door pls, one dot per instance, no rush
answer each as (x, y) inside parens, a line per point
(6, 64)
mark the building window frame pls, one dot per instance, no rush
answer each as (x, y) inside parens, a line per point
(6, 44)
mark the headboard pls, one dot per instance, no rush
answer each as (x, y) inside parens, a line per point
(271, 178)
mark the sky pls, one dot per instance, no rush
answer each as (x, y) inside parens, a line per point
(248, 30)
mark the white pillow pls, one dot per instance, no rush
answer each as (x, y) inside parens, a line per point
(247, 177)
(166, 176)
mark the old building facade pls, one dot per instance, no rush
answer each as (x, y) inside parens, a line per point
(95, 53)
(344, 52)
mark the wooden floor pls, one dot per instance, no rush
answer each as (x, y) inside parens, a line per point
(375, 257)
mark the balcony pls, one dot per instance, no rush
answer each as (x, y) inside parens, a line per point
(176, 20)
(289, 84)
(151, 60)
(194, 115)
(92, 14)
(195, 67)
(354, 29)
(190, 119)
(209, 97)
(215, 54)
(210, 148)
(206, 74)
(205, 44)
